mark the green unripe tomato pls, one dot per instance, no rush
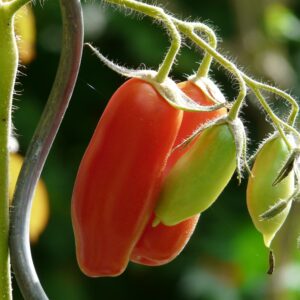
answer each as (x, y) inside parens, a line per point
(199, 176)
(261, 192)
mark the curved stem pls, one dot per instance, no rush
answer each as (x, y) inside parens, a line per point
(159, 14)
(274, 118)
(166, 65)
(236, 107)
(207, 59)
(187, 30)
(39, 148)
(295, 108)
(243, 78)
(203, 70)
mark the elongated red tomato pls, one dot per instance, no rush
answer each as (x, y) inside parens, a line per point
(118, 178)
(159, 245)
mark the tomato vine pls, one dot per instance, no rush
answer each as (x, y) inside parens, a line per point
(159, 79)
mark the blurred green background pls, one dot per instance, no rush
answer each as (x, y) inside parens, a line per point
(225, 259)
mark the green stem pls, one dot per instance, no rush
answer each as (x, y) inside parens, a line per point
(243, 78)
(166, 65)
(8, 69)
(295, 108)
(274, 118)
(187, 30)
(203, 70)
(207, 59)
(236, 107)
(159, 14)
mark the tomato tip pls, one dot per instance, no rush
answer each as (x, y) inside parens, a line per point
(156, 222)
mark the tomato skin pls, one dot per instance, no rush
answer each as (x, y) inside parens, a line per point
(161, 244)
(118, 178)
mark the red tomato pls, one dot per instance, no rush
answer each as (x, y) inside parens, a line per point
(118, 178)
(159, 245)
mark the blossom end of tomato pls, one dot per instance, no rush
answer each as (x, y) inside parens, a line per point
(268, 238)
(92, 271)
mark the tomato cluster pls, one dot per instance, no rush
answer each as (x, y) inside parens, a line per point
(121, 176)
(149, 171)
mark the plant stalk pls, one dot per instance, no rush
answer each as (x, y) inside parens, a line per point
(8, 71)
(39, 148)
(159, 14)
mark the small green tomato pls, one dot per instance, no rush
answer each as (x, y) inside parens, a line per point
(263, 194)
(199, 176)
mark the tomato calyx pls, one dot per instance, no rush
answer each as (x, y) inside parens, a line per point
(195, 134)
(167, 89)
(240, 138)
(209, 88)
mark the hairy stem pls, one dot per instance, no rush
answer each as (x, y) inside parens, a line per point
(189, 29)
(8, 71)
(233, 114)
(159, 14)
(294, 106)
(273, 117)
(243, 79)
(204, 67)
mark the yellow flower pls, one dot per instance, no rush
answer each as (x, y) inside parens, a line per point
(26, 32)
(40, 206)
